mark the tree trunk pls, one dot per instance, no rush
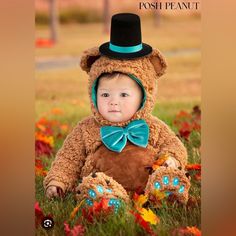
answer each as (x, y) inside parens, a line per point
(53, 16)
(106, 15)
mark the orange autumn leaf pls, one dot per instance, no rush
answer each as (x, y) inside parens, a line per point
(46, 139)
(44, 43)
(42, 121)
(149, 216)
(139, 200)
(57, 111)
(40, 171)
(77, 230)
(160, 161)
(194, 230)
(193, 167)
(183, 114)
(158, 194)
(197, 176)
(64, 127)
(184, 231)
(40, 127)
(99, 209)
(76, 209)
(144, 224)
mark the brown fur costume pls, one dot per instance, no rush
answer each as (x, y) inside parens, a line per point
(83, 151)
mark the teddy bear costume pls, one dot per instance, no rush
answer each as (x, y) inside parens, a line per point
(85, 156)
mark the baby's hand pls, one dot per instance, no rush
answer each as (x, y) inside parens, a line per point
(54, 191)
(171, 162)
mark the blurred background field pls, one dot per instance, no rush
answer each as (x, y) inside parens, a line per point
(178, 39)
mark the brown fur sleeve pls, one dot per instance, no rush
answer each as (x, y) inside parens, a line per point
(69, 160)
(170, 144)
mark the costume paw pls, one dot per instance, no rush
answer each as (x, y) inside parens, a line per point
(98, 185)
(171, 181)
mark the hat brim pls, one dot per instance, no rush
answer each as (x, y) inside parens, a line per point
(105, 50)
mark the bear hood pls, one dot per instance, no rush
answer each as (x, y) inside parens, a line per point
(147, 69)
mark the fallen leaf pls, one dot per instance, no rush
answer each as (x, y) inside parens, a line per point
(149, 216)
(77, 230)
(139, 200)
(44, 43)
(197, 176)
(42, 148)
(39, 169)
(194, 230)
(64, 127)
(99, 210)
(57, 111)
(183, 114)
(159, 195)
(44, 138)
(193, 167)
(160, 161)
(186, 231)
(75, 210)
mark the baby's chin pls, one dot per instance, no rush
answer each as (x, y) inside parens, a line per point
(116, 119)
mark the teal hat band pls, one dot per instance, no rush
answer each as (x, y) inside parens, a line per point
(122, 49)
(95, 84)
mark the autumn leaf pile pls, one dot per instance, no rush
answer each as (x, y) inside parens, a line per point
(46, 132)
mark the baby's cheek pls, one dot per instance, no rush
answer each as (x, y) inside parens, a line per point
(129, 111)
(101, 105)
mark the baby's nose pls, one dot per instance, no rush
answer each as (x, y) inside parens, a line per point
(113, 103)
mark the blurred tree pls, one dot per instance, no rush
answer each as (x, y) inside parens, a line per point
(53, 15)
(106, 15)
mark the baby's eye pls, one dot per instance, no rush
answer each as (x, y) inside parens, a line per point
(124, 94)
(105, 94)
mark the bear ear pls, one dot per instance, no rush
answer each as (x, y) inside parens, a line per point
(158, 61)
(88, 57)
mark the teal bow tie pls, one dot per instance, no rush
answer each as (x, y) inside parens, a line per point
(115, 137)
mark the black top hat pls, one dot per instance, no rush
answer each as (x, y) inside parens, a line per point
(125, 38)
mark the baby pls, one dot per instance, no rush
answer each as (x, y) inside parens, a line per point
(112, 151)
(118, 98)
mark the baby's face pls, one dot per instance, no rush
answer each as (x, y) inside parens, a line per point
(118, 98)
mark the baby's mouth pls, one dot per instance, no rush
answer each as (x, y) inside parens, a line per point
(113, 111)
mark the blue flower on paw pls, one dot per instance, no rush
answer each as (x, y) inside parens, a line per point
(92, 193)
(168, 183)
(89, 202)
(99, 189)
(175, 181)
(165, 180)
(181, 189)
(114, 202)
(157, 185)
